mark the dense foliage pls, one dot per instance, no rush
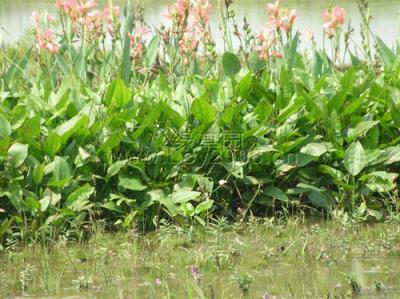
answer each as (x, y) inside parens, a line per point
(107, 119)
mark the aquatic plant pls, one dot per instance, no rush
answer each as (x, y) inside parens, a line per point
(107, 119)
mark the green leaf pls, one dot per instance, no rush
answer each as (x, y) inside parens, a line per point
(170, 205)
(203, 111)
(115, 168)
(316, 149)
(204, 206)
(17, 69)
(378, 215)
(72, 126)
(346, 85)
(83, 193)
(17, 154)
(293, 107)
(118, 94)
(318, 199)
(5, 226)
(277, 193)
(38, 173)
(380, 181)
(387, 55)
(294, 160)
(182, 196)
(354, 158)
(5, 127)
(126, 64)
(52, 145)
(335, 174)
(230, 64)
(151, 52)
(131, 183)
(361, 129)
(62, 170)
(235, 168)
(391, 155)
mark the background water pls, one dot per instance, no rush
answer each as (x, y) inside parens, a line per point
(15, 15)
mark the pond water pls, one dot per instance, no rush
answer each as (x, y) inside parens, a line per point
(15, 15)
(290, 260)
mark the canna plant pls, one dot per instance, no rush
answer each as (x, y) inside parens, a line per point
(108, 119)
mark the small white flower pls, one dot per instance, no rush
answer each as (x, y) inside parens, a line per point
(222, 182)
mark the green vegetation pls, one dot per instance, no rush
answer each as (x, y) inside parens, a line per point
(105, 119)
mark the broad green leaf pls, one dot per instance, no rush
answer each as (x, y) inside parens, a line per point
(30, 128)
(5, 127)
(182, 196)
(62, 170)
(361, 129)
(5, 226)
(387, 55)
(168, 203)
(115, 168)
(294, 160)
(82, 193)
(17, 154)
(346, 85)
(118, 94)
(112, 206)
(354, 158)
(391, 155)
(52, 145)
(230, 64)
(235, 168)
(204, 206)
(203, 111)
(378, 215)
(318, 199)
(335, 174)
(131, 183)
(17, 69)
(380, 181)
(293, 107)
(151, 52)
(44, 203)
(316, 149)
(276, 193)
(38, 173)
(67, 129)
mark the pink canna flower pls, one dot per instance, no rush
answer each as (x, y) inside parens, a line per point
(334, 18)
(143, 31)
(50, 18)
(181, 6)
(117, 11)
(276, 54)
(168, 14)
(273, 8)
(188, 44)
(340, 15)
(47, 42)
(36, 17)
(280, 18)
(67, 5)
(137, 40)
(202, 10)
(287, 20)
(267, 46)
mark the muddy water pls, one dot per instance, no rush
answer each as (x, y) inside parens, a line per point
(288, 261)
